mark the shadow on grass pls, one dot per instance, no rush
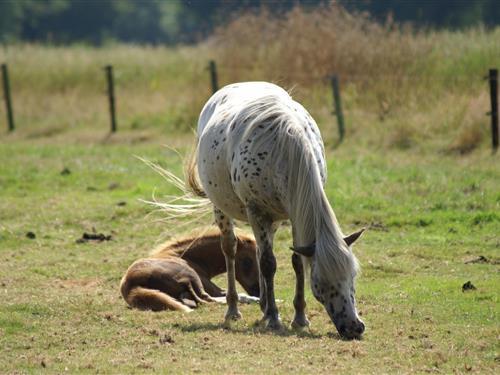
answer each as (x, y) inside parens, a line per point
(252, 330)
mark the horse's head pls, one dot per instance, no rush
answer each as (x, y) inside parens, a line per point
(246, 263)
(336, 294)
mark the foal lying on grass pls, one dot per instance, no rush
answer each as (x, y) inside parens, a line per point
(177, 274)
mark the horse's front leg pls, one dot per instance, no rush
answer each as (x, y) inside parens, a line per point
(228, 244)
(264, 230)
(299, 303)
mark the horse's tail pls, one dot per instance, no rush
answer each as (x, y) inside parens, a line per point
(191, 173)
(149, 299)
(192, 201)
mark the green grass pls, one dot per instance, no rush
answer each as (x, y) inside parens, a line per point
(426, 213)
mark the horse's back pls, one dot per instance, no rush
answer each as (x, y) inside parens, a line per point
(239, 132)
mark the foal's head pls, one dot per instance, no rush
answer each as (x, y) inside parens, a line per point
(336, 293)
(247, 270)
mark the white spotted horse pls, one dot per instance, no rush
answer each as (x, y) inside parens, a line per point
(260, 158)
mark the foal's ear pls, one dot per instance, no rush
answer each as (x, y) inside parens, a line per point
(307, 251)
(350, 239)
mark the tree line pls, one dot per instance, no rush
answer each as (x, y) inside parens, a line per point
(188, 21)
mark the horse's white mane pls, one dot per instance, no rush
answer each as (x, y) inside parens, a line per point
(313, 220)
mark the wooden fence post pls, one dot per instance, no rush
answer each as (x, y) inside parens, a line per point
(111, 96)
(213, 76)
(338, 106)
(7, 97)
(493, 78)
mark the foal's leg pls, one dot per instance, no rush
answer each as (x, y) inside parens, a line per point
(228, 244)
(299, 320)
(212, 289)
(264, 230)
(200, 290)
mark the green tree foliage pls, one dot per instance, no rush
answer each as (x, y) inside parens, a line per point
(432, 13)
(185, 21)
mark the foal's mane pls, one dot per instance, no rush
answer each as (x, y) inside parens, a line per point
(177, 246)
(313, 219)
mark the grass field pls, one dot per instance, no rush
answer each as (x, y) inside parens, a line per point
(427, 215)
(415, 169)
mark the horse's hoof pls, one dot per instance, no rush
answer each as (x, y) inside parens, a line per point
(300, 326)
(272, 324)
(233, 315)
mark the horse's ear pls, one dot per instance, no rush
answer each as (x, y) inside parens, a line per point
(350, 239)
(307, 251)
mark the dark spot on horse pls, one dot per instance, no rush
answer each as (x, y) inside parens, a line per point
(232, 157)
(210, 182)
(332, 310)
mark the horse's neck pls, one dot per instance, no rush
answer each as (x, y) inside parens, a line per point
(207, 257)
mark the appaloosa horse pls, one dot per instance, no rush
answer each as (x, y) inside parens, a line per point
(260, 158)
(177, 275)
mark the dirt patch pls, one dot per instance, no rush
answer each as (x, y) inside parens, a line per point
(479, 259)
(468, 286)
(66, 171)
(81, 284)
(166, 339)
(98, 237)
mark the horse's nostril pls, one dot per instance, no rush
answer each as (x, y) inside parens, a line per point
(361, 328)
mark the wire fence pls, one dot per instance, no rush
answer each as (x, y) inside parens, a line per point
(207, 81)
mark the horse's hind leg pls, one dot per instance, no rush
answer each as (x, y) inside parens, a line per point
(264, 229)
(299, 320)
(228, 244)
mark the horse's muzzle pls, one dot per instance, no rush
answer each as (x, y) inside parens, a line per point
(352, 331)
